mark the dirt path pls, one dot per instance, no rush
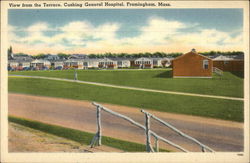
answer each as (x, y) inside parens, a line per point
(24, 139)
(131, 88)
(217, 134)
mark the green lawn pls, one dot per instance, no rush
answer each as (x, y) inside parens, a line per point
(160, 79)
(200, 106)
(80, 136)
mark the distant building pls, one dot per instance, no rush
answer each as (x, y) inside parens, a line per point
(57, 63)
(74, 63)
(18, 62)
(107, 63)
(142, 62)
(51, 57)
(192, 64)
(235, 63)
(166, 62)
(40, 63)
(90, 63)
(78, 56)
(157, 62)
(122, 62)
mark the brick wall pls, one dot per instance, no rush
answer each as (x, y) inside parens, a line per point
(191, 64)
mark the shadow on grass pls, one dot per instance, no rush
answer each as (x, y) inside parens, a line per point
(239, 74)
(80, 136)
(165, 74)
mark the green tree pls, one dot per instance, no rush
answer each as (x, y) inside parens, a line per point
(39, 56)
(63, 55)
(10, 52)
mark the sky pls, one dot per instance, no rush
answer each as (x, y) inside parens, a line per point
(86, 31)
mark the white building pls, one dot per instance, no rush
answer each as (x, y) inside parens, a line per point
(90, 63)
(57, 63)
(74, 63)
(107, 63)
(166, 62)
(40, 63)
(122, 62)
(143, 62)
(13, 63)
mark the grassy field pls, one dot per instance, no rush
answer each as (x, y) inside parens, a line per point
(200, 106)
(160, 79)
(80, 136)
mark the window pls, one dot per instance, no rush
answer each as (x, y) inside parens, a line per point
(138, 62)
(109, 63)
(226, 62)
(74, 63)
(119, 62)
(205, 64)
(155, 62)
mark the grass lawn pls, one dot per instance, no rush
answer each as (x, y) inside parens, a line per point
(200, 106)
(80, 136)
(160, 79)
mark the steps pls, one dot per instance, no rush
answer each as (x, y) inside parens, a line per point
(218, 71)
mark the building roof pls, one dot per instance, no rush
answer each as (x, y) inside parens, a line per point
(78, 56)
(106, 59)
(58, 60)
(143, 58)
(191, 52)
(40, 61)
(52, 57)
(222, 58)
(121, 59)
(239, 57)
(20, 60)
(74, 60)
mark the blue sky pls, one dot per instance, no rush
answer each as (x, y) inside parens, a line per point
(124, 30)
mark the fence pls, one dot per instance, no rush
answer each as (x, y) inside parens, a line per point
(148, 132)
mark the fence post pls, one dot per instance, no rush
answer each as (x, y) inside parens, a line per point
(99, 131)
(98, 136)
(156, 144)
(148, 134)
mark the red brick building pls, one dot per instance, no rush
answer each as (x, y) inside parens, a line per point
(192, 64)
(229, 64)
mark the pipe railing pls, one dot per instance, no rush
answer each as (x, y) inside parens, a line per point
(218, 71)
(97, 137)
(203, 147)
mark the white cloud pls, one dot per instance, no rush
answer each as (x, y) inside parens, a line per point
(157, 34)
(38, 27)
(208, 38)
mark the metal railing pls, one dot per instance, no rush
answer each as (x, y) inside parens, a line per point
(97, 138)
(217, 71)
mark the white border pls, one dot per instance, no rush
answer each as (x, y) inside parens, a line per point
(128, 157)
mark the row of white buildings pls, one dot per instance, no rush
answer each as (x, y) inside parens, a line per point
(19, 63)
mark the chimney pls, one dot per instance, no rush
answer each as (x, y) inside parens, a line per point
(193, 50)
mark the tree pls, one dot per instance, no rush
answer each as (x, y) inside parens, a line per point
(10, 52)
(174, 54)
(39, 56)
(63, 55)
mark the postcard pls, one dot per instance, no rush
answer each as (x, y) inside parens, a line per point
(124, 81)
